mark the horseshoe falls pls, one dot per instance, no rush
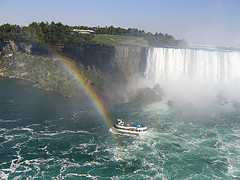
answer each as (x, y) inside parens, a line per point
(192, 73)
(165, 64)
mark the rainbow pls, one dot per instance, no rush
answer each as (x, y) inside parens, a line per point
(71, 67)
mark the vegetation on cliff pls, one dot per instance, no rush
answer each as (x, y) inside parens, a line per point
(157, 39)
(113, 40)
(47, 73)
(53, 33)
(57, 33)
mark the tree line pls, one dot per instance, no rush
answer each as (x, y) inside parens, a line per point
(57, 33)
(157, 39)
(44, 32)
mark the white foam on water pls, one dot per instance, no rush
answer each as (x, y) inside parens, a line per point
(72, 175)
(9, 120)
(3, 175)
(23, 129)
(57, 133)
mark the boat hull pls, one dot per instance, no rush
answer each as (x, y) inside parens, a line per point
(128, 131)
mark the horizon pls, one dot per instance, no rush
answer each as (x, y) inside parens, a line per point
(198, 22)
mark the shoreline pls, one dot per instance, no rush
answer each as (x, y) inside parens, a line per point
(35, 85)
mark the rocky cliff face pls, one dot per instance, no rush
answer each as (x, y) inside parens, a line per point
(11, 47)
(126, 59)
(130, 60)
(35, 62)
(122, 63)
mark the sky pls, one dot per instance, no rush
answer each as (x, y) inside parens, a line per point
(214, 22)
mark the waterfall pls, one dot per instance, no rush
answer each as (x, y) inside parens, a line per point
(167, 64)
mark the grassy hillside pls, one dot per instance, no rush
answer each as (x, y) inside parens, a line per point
(112, 40)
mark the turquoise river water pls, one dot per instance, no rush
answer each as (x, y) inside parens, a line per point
(46, 136)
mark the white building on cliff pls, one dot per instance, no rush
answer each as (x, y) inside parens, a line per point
(83, 31)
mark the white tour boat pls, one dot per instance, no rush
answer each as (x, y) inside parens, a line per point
(128, 127)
